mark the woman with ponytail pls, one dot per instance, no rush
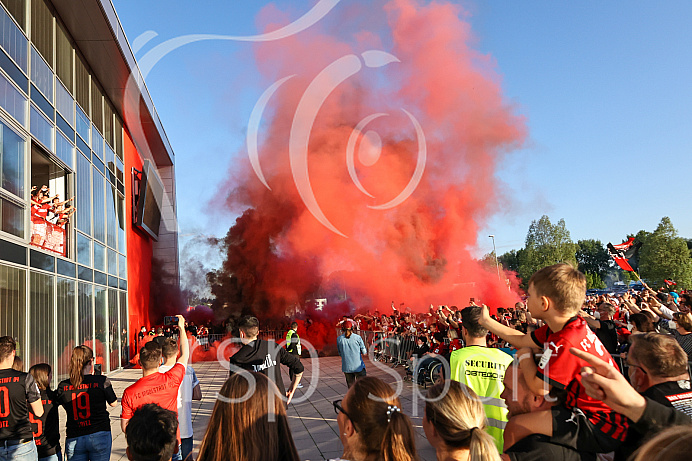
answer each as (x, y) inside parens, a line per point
(84, 396)
(371, 424)
(454, 424)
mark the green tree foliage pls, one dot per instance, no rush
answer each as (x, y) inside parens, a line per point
(546, 244)
(664, 255)
(593, 258)
(510, 260)
(594, 281)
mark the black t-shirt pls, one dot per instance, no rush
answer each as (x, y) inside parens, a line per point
(47, 427)
(674, 394)
(86, 405)
(537, 447)
(608, 335)
(17, 391)
(261, 356)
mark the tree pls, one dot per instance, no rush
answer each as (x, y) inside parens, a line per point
(546, 244)
(593, 280)
(510, 260)
(593, 257)
(664, 255)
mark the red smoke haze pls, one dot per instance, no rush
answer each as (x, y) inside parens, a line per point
(418, 253)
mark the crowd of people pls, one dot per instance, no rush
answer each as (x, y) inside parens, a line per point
(562, 376)
(51, 208)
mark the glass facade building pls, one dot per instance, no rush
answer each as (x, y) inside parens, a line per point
(66, 284)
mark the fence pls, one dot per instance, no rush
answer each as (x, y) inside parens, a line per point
(388, 347)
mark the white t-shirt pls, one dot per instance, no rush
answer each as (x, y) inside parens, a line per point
(184, 399)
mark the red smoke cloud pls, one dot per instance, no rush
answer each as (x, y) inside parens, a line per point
(420, 252)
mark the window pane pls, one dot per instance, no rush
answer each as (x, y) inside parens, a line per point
(85, 332)
(64, 103)
(83, 250)
(113, 330)
(64, 150)
(12, 39)
(99, 206)
(81, 83)
(118, 137)
(108, 123)
(111, 228)
(11, 218)
(42, 29)
(13, 296)
(112, 262)
(97, 107)
(100, 318)
(63, 55)
(17, 9)
(41, 315)
(96, 142)
(121, 226)
(99, 257)
(66, 318)
(124, 336)
(122, 266)
(11, 161)
(12, 100)
(41, 75)
(41, 128)
(83, 194)
(83, 126)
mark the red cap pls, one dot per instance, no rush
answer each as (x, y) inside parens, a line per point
(348, 325)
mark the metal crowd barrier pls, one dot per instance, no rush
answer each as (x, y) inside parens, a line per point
(386, 346)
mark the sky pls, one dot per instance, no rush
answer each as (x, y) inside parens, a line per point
(604, 88)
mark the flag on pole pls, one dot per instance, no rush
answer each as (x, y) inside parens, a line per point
(670, 282)
(622, 253)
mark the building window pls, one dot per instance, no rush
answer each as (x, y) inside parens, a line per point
(63, 57)
(81, 84)
(99, 206)
(12, 148)
(13, 40)
(113, 330)
(42, 29)
(52, 207)
(97, 107)
(85, 318)
(99, 257)
(41, 314)
(13, 296)
(124, 336)
(17, 9)
(108, 123)
(41, 128)
(83, 249)
(100, 324)
(12, 100)
(66, 320)
(11, 218)
(83, 194)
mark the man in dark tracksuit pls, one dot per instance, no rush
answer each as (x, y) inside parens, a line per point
(264, 357)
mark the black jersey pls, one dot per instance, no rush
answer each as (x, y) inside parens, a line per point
(86, 405)
(17, 391)
(47, 427)
(264, 357)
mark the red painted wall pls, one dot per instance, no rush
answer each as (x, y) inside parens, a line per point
(139, 253)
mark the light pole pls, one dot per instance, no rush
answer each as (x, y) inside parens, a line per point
(496, 263)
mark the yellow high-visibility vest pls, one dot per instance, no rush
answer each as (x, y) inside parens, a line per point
(483, 369)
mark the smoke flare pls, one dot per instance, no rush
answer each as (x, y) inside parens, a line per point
(278, 255)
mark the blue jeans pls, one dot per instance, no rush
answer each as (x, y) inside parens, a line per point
(186, 447)
(92, 447)
(56, 457)
(22, 452)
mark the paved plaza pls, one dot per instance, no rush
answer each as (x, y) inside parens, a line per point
(312, 419)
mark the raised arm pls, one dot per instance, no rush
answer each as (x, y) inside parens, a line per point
(514, 337)
(184, 343)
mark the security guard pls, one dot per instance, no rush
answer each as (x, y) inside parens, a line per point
(482, 369)
(293, 345)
